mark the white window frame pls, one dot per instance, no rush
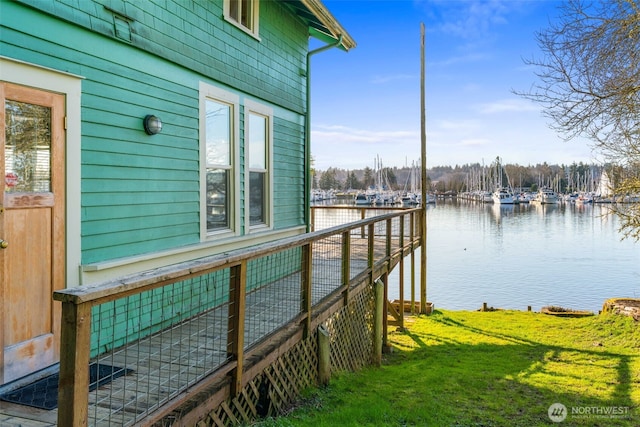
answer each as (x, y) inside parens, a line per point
(251, 107)
(213, 93)
(252, 28)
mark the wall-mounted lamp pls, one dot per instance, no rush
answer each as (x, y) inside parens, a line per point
(152, 124)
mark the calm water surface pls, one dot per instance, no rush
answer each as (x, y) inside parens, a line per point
(525, 255)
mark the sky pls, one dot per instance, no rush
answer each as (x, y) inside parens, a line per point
(365, 103)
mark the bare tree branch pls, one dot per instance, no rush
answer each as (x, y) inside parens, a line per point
(589, 85)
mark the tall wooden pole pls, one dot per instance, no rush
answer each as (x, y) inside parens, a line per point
(423, 143)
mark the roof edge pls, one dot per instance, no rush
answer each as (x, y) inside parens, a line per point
(320, 11)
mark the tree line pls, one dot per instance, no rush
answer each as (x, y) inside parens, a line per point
(360, 179)
(460, 178)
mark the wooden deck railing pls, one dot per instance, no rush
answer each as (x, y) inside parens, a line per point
(174, 327)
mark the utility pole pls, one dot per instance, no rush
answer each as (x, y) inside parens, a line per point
(423, 143)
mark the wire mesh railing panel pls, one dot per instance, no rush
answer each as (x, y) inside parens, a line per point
(174, 335)
(406, 221)
(358, 258)
(380, 240)
(327, 217)
(395, 233)
(274, 293)
(327, 267)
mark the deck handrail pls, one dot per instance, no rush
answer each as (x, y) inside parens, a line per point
(110, 289)
(78, 302)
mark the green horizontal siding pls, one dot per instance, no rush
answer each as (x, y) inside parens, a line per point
(140, 193)
(288, 173)
(130, 213)
(164, 221)
(193, 35)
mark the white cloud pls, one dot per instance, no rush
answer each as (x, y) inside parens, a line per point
(394, 77)
(352, 148)
(458, 126)
(339, 134)
(472, 20)
(460, 59)
(507, 105)
(474, 142)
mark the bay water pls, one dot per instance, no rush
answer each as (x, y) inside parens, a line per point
(516, 256)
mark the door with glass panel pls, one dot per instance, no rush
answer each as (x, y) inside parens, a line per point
(32, 229)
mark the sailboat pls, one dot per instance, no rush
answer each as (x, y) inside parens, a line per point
(604, 192)
(411, 194)
(502, 195)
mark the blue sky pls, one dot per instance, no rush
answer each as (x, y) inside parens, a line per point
(366, 102)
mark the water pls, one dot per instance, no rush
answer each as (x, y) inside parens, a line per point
(524, 255)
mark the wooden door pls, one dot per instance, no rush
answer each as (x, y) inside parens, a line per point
(32, 232)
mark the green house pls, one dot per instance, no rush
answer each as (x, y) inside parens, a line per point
(143, 133)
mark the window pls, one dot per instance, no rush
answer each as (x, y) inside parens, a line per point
(258, 136)
(219, 130)
(28, 147)
(243, 14)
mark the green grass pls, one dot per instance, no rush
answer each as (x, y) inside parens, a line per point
(502, 368)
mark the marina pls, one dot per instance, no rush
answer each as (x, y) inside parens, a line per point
(520, 255)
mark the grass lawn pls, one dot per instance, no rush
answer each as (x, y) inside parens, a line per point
(501, 368)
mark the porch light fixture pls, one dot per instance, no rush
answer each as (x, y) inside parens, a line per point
(152, 124)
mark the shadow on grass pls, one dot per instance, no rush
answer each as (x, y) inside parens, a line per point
(502, 379)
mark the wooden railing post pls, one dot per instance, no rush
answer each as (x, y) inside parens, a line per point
(403, 218)
(346, 264)
(423, 261)
(313, 219)
(401, 272)
(307, 261)
(388, 236)
(235, 334)
(378, 317)
(73, 386)
(385, 310)
(412, 226)
(370, 251)
(324, 356)
(362, 216)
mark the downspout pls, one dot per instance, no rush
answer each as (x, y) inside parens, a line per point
(307, 134)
